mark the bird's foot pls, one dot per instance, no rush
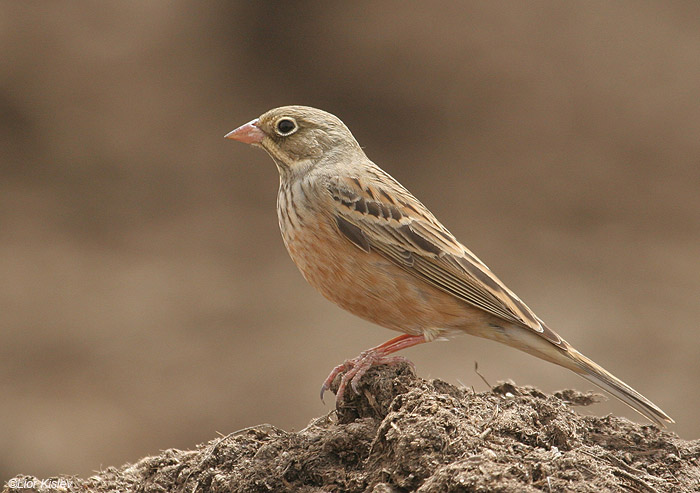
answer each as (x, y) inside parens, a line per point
(355, 368)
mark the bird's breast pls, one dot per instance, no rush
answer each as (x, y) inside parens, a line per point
(364, 283)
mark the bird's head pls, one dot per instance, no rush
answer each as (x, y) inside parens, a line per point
(298, 138)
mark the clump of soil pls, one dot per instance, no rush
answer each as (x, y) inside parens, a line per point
(403, 433)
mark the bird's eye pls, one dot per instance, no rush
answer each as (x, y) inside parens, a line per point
(286, 126)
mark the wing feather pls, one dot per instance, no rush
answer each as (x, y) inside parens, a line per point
(384, 217)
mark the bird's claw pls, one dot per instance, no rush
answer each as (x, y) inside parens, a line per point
(356, 368)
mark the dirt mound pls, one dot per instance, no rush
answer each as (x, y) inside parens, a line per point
(403, 433)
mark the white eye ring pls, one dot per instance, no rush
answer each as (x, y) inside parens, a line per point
(286, 126)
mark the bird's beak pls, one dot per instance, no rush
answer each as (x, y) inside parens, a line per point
(248, 133)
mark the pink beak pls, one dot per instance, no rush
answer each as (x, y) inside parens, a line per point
(248, 133)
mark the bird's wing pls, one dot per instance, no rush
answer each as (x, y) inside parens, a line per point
(378, 214)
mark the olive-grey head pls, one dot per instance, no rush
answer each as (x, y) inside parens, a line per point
(299, 138)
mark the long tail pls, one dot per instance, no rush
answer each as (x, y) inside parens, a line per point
(598, 375)
(556, 350)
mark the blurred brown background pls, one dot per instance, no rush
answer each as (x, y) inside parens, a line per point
(146, 299)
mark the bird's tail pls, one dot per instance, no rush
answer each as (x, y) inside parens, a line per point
(598, 375)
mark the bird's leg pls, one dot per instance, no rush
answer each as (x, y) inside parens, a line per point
(378, 355)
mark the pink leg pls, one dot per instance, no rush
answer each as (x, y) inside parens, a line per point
(379, 355)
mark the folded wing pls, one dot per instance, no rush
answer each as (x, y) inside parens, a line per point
(384, 217)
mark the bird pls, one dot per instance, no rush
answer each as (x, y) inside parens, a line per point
(367, 244)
